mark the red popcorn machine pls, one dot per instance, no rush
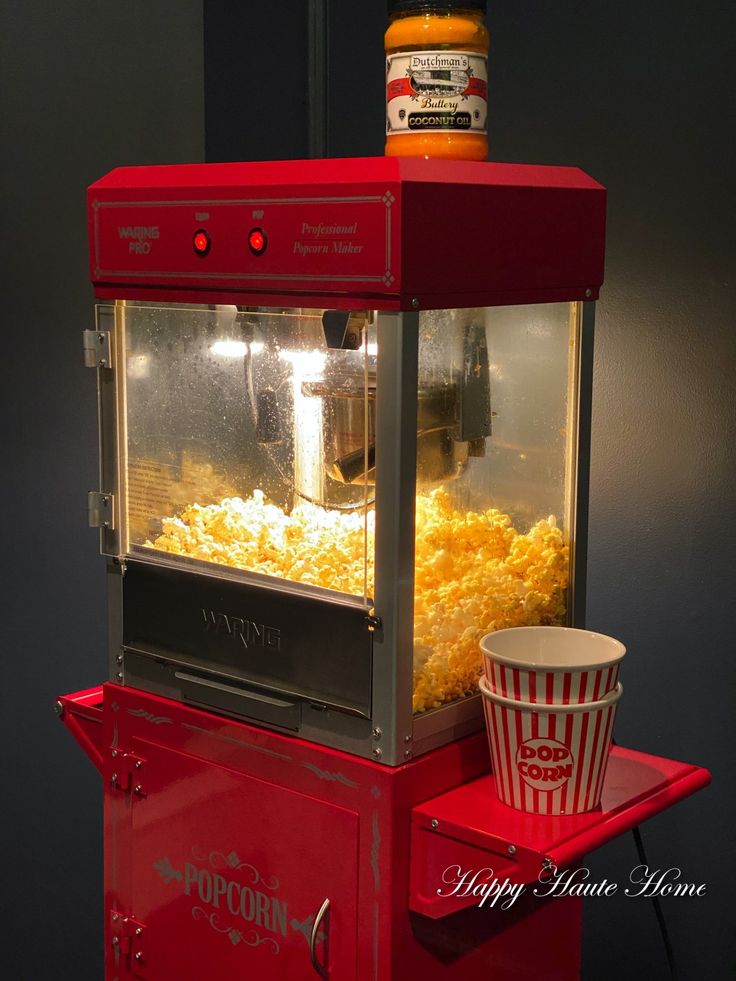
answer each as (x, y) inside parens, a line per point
(344, 413)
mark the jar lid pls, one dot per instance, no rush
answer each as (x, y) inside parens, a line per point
(398, 6)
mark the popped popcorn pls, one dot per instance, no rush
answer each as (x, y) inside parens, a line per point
(474, 572)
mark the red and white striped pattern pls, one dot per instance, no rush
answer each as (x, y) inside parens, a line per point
(550, 687)
(564, 749)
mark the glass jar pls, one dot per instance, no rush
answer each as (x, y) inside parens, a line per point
(437, 79)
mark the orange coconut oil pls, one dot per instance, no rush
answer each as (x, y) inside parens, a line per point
(437, 79)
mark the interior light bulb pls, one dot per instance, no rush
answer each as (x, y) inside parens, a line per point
(230, 349)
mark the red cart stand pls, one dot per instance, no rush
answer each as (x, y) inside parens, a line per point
(230, 850)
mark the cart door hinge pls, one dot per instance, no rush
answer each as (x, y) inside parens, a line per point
(127, 939)
(128, 774)
(373, 622)
(97, 348)
(100, 511)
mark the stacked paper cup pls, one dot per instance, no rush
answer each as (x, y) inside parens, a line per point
(550, 696)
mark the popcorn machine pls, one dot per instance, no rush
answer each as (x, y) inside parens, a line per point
(319, 500)
(344, 418)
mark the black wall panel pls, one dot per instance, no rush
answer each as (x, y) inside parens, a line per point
(84, 86)
(256, 80)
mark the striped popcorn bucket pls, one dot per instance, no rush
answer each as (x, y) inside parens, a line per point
(549, 759)
(551, 665)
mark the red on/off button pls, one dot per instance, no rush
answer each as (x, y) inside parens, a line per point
(201, 242)
(257, 241)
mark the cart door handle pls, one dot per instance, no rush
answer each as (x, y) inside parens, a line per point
(322, 971)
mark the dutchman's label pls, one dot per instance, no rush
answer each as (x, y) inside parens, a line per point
(436, 91)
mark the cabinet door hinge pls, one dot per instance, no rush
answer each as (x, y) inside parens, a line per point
(100, 510)
(127, 939)
(128, 773)
(97, 348)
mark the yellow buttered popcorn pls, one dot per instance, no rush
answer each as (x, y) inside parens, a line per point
(312, 545)
(473, 571)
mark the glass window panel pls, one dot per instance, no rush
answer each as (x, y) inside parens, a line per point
(495, 397)
(246, 441)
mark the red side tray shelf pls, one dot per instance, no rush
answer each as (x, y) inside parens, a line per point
(470, 827)
(81, 713)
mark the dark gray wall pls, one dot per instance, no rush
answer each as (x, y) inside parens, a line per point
(255, 80)
(85, 85)
(640, 95)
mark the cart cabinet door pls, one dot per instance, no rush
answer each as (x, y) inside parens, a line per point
(227, 875)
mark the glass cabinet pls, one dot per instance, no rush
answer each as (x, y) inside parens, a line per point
(318, 513)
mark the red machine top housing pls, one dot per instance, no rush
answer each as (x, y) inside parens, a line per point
(393, 233)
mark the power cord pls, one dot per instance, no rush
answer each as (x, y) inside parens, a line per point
(639, 842)
(657, 907)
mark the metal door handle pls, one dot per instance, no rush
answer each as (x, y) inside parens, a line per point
(322, 971)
